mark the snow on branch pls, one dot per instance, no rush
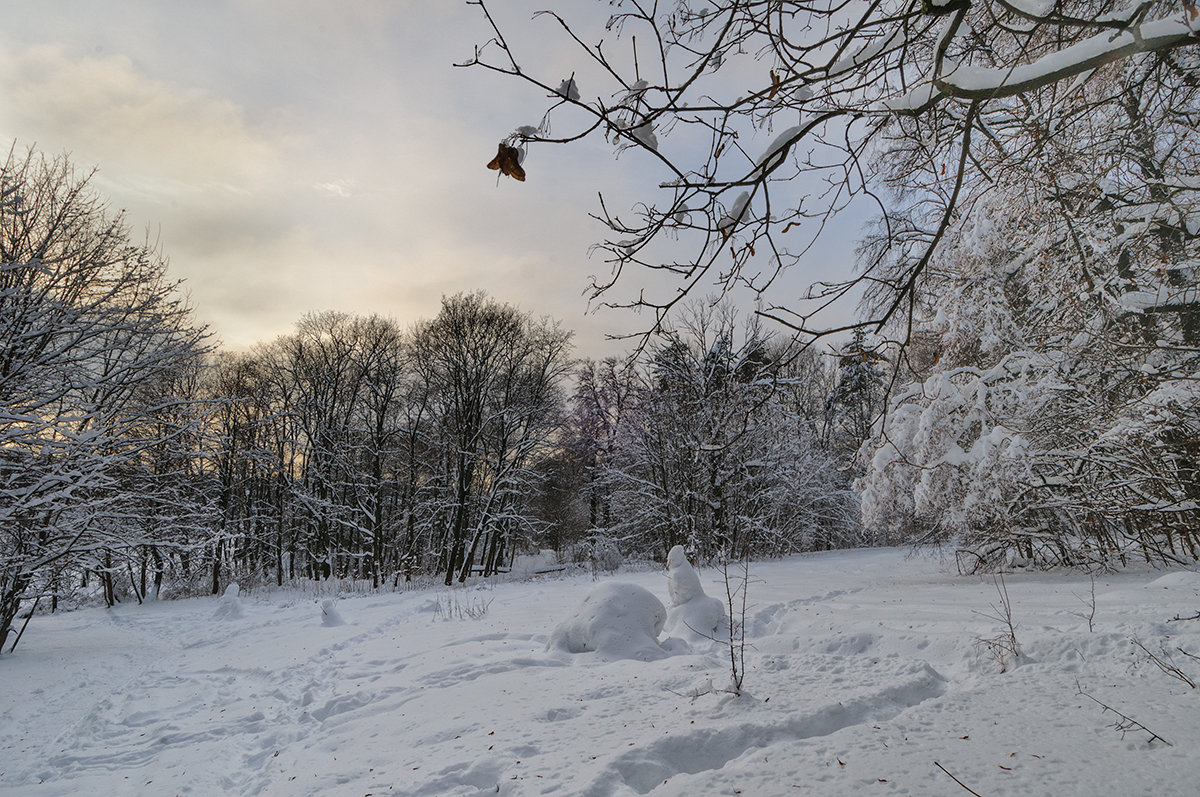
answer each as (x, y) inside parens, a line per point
(976, 83)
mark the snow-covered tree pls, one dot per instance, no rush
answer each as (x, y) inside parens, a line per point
(95, 341)
(1052, 390)
(712, 454)
(857, 398)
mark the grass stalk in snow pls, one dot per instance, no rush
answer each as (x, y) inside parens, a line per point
(450, 606)
(1003, 647)
(956, 780)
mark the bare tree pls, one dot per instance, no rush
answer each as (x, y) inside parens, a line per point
(493, 375)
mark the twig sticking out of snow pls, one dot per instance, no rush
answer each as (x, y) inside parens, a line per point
(1164, 663)
(706, 687)
(735, 593)
(1125, 724)
(956, 780)
(1090, 604)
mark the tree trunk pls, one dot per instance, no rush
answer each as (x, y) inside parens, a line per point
(216, 569)
(106, 580)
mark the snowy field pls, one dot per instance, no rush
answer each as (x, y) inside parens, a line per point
(868, 672)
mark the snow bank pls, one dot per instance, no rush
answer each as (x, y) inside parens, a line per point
(615, 620)
(1182, 580)
(693, 616)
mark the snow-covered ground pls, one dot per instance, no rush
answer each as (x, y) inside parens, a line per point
(868, 672)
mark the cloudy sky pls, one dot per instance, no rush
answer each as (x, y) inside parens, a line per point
(297, 155)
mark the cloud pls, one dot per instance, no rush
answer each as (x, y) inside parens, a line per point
(105, 108)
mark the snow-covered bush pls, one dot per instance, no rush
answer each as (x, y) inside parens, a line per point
(946, 466)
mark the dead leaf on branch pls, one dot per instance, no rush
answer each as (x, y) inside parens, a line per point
(508, 161)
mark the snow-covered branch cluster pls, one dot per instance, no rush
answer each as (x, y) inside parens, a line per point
(766, 120)
(1031, 269)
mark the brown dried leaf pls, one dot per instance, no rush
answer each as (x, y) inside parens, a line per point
(508, 161)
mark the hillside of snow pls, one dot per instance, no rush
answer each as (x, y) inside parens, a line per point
(867, 672)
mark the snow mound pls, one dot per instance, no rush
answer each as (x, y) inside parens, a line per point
(230, 605)
(694, 615)
(330, 616)
(615, 620)
(527, 566)
(1185, 579)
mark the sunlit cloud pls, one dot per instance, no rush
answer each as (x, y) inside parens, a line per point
(106, 107)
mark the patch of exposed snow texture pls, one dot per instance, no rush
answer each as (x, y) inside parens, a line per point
(777, 152)
(918, 97)
(1071, 60)
(1032, 8)
(737, 213)
(617, 621)
(867, 52)
(693, 616)
(645, 134)
(1164, 296)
